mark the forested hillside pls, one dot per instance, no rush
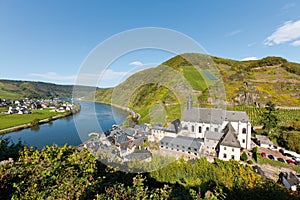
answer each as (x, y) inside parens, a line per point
(11, 89)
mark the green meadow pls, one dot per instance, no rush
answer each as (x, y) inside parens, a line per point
(7, 121)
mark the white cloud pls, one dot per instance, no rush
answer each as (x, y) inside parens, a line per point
(137, 63)
(233, 33)
(53, 76)
(288, 32)
(296, 43)
(249, 58)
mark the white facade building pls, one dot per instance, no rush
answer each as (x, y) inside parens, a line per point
(198, 121)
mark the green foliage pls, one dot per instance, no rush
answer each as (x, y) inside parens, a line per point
(289, 140)
(244, 156)
(193, 76)
(8, 149)
(137, 191)
(177, 62)
(285, 117)
(255, 154)
(269, 119)
(268, 61)
(54, 173)
(292, 67)
(157, 98)
(35, 122)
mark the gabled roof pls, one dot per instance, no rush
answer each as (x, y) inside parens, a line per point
(230, 138)
(213, 115)
(122, 138)
(291, 178)
(211, 135)
(139, 155)
(182, 141)
(206, 115)
(175, 126)
(262, 139)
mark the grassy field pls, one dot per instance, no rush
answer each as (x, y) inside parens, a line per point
(199, 80)
(7, 121)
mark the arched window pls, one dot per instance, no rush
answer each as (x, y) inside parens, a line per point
(193, 128)
(207, 128)
(200, 129)
(244, 130)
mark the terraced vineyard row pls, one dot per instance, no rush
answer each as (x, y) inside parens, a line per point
(255, 114)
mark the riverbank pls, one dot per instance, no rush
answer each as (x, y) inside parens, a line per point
(36, 122)
(134, 114)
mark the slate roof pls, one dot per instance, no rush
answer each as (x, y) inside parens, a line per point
(175, 126)
(230, 138)
(171, 130)
(129, 131)
(182, 141)
(213, 115)
(139, 155)
(122, 138)
(291, 178)
(211, 135)
(262, 139)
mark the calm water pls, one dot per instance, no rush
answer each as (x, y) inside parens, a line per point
(64, 131)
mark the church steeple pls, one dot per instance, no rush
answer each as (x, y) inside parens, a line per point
(189, 103)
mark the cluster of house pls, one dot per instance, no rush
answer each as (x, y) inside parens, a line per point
(25, 106)
(125, 143)
(202, 131)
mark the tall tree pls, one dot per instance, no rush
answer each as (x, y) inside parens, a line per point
(269, 119)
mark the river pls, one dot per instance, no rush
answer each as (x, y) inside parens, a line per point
(64, 131)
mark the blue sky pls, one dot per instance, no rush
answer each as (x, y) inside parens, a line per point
(49, 40)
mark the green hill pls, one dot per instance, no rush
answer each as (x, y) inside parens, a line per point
(211, 81)
(11, 89)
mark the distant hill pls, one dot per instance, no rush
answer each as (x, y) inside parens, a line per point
(11, 89)
(165, 88)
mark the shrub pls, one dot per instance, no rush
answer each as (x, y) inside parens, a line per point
(244, 156)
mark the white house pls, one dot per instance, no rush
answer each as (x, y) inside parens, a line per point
(229, 146)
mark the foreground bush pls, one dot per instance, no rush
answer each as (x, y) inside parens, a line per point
(50, 173)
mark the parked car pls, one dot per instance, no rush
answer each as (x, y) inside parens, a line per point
(281, 160)
(263, 154)
(288, 154)
(296, 159)
(290, 162)
(271, 157)
(281, 151)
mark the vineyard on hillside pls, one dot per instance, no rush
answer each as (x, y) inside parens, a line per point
(255, 114)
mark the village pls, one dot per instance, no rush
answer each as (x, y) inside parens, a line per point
(202, 132)
(25, 106)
